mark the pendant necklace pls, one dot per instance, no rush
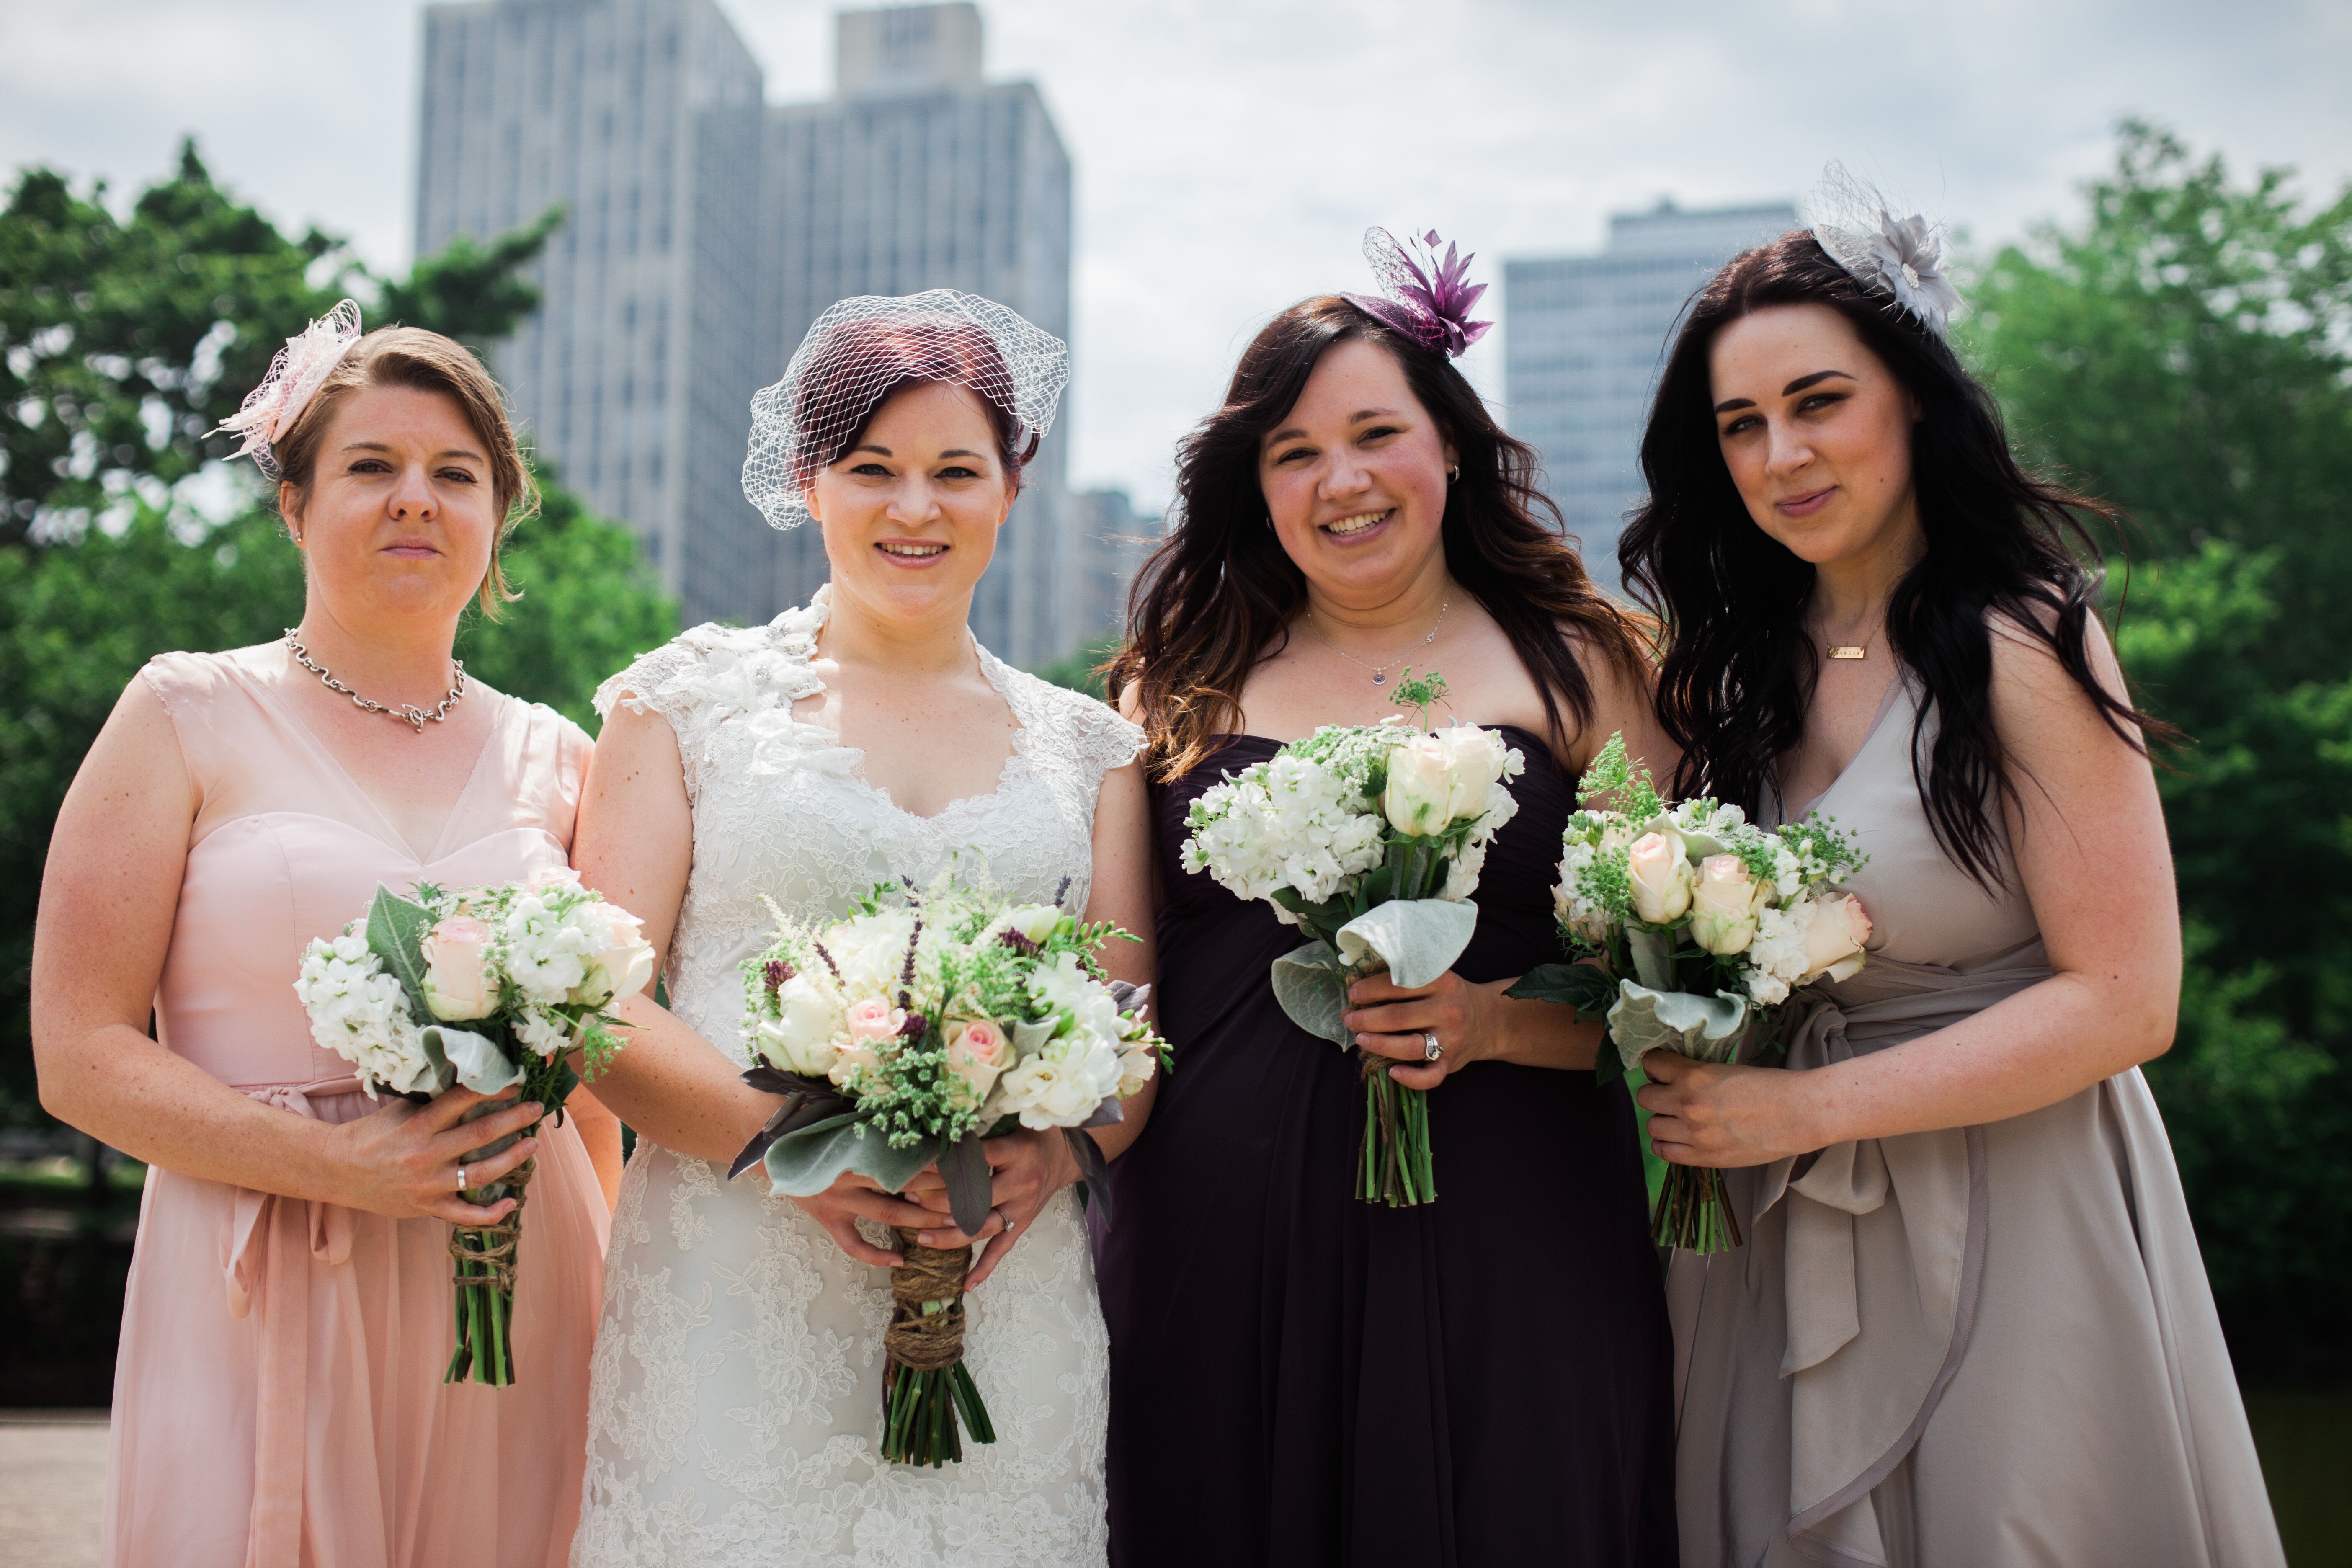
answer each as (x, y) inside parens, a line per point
(416, 718)
(1853, 650)
(1380, 672)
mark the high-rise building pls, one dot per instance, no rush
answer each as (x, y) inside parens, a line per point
(919, 174)
(642, 118)
(705, 231)
(1113, 544)
(1584, 337)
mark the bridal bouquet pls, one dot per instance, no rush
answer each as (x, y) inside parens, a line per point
(1688, 927)
(900, 1037)
(527, 970)
(1369, 838)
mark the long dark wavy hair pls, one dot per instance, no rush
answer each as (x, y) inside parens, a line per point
(1219, 594)
(1739, 667)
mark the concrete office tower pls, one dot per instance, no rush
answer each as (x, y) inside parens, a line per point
(918, 174)
(1584, 337)
(1113, 544)
(642, 118)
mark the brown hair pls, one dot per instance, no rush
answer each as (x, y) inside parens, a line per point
(1214, 599)
(423, 362)
(861, 364)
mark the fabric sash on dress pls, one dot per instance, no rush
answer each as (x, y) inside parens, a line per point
(1898, 1222)
(267, 1270)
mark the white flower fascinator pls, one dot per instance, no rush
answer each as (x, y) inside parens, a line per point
(296, 374)
(1900, 257)
(860, 349)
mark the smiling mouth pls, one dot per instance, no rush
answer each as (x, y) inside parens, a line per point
(1806, 502)
(912, 552)
(1349, 527)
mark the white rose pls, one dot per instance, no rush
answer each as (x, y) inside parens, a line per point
(1137, 1064)
(1723, 906)
(1047, 1092)
(804, 1035)
(1034, 922)
(1477, 758)
(1662, 877)
(620, 962)
(1421, 787)
(1835, 939)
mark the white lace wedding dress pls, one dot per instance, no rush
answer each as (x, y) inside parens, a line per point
(737, 1382)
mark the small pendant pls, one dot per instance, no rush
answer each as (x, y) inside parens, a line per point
(1380, 677)
(1836, 652)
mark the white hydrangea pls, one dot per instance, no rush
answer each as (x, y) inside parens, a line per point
(870, 953)
(1776, 959)
(360, 1013)
(540, 1035)
(547, 953)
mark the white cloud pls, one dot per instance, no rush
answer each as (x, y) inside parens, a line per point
(1230, 153)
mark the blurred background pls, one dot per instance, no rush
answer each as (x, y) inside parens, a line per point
(633, 209)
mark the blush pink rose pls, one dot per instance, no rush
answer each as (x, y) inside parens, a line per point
(875, 1019)
(977, 1052)
(458, 987)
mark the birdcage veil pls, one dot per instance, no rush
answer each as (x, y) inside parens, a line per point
(1902, 257)
(862, 349)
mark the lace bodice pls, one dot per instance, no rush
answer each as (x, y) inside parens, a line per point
(782, 810)
(737, 1377)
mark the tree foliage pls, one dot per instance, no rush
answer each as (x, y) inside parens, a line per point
(2186, 350)
(123, 343)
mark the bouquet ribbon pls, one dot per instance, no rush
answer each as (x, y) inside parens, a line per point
(1416, 940)
(1918, 1205)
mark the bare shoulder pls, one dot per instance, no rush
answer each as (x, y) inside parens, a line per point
(1621, 678)
(2029, 678)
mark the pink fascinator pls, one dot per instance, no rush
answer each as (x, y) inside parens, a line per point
(1428, 301)
(299, 369)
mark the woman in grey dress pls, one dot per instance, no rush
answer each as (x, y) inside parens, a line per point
(1969, 1324)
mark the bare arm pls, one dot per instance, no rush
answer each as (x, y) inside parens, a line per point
(2092, 853)
(635, 845)
(109, 897)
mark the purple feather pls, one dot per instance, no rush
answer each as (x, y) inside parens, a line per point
(1428, 299)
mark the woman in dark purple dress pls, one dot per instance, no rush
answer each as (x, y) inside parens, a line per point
(1298, 1377)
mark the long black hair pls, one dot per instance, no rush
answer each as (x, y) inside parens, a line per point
(1739, 667)
(1220, 594)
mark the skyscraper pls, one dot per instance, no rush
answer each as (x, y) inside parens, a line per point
(642, 118)
(706, 231)
(918, 174)
(1584, 337)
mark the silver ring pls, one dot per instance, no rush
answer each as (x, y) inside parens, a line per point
(1005, 1220)
(1430, 1049)
(461, 1178)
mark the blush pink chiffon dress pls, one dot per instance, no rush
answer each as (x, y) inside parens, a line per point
(278, 1396)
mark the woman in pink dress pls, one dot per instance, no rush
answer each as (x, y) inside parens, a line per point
(278, 1399)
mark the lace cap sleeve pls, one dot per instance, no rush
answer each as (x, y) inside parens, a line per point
(703, 677)
(1083, 729)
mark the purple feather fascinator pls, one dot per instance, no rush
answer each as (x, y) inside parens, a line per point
(1427, 300)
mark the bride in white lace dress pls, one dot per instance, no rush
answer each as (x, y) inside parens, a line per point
(737, 1384)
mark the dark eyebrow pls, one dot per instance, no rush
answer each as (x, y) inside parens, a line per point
(1804, 382)
(1728, 404)
(868, 446)
(958, 452)
(1358, 417)
(382, 446)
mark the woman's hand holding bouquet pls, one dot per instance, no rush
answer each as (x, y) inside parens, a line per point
(901, 1038)
(1369, 838)
(1688, 929)
(529, 970)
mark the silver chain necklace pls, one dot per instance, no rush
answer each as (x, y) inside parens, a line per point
(416, 718)
(1380, 672)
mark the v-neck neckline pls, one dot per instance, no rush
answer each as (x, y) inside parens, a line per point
(881, 794)
(1878, 720)
(441, 847)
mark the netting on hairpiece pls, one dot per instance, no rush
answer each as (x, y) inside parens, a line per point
(296, 374)
(863, 349)
(1428, 301)
(1902, 257)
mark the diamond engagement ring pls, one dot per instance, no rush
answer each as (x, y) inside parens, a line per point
(1430, 1049)
(1005, 1220)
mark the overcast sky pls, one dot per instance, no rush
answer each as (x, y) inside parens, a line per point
(1230, 153)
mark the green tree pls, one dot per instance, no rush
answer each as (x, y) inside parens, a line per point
(2183, 352)
(122, 343)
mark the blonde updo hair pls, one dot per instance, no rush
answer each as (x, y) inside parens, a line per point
(424, 361)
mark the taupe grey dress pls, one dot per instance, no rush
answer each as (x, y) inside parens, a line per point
(1990, 1345)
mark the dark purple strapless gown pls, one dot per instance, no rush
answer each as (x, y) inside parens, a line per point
(1299, 1378)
